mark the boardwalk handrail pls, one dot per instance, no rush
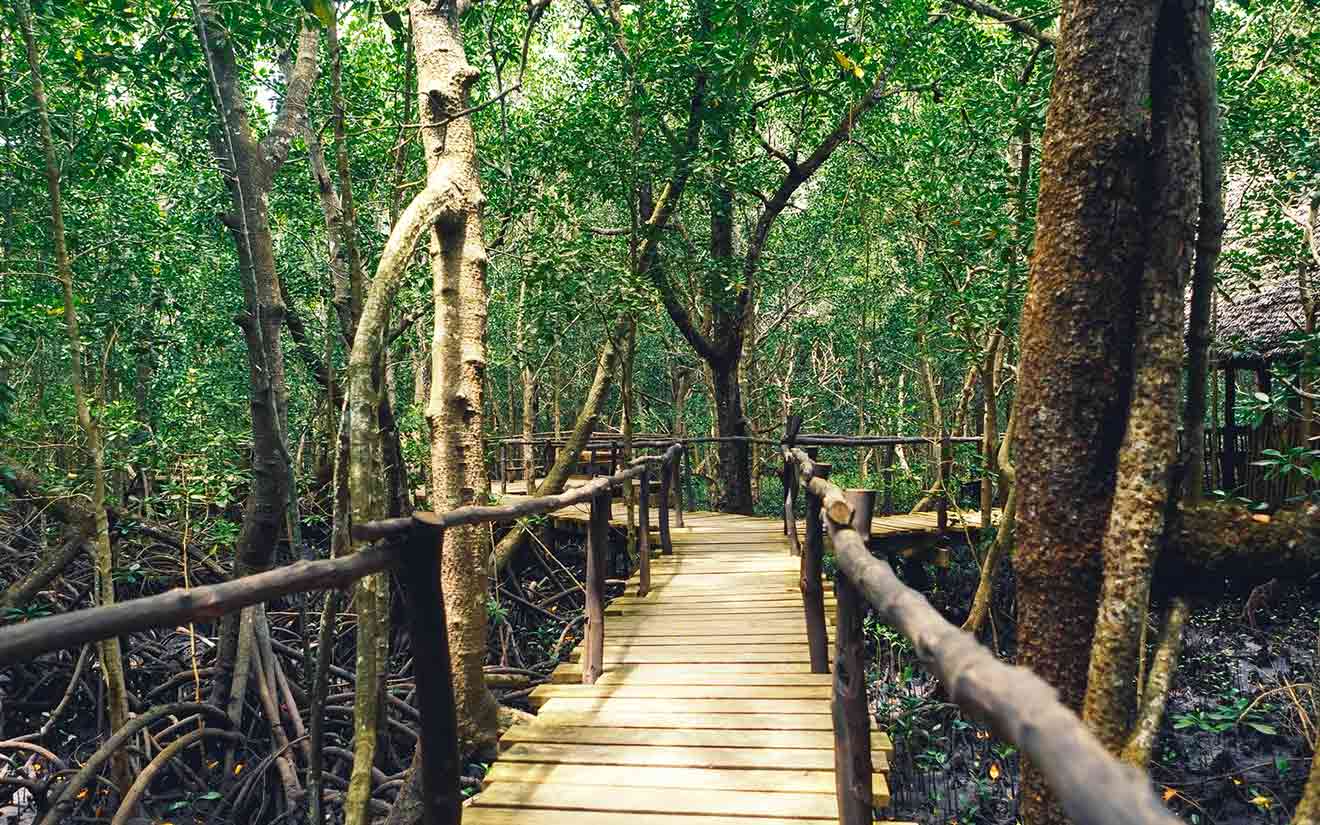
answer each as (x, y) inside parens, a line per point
(1093, 786)
(416, 542)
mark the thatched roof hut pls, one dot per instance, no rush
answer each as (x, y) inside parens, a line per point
(1256, 324)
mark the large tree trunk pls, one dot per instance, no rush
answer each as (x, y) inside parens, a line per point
(1137, 517)
(735, 466)
(1102, 348)
(458, 356)
(1076, 334)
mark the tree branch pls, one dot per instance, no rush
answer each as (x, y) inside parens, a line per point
(1012, 21)
(275, 145)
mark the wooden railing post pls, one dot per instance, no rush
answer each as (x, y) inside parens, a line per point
(887, 476)
(790, 506)
(666, 542)
(644, 533)
(679, 461)
(813, 593)
(504, 468)
(598, 536)
(946, 468)
(853, 771)
(442, 801)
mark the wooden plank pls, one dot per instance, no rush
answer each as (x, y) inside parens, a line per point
(485, 815)
(658, 801)
(754, 609)
(621, 627)
(694, 609)
(696, 721)
(680, 655)
(625, 778)
(689, 675)
(635, 639)
(544, 693)
(774, 740)
(775, 759)
(613, 704)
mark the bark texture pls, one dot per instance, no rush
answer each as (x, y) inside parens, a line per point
(248, 166)
(1137, 515)
(1076, 333)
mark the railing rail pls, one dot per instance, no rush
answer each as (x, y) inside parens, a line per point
(1093, 786)
(414, 543)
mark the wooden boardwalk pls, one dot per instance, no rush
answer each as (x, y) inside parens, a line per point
(706, 712)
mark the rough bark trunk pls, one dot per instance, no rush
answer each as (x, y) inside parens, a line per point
(1076, 332)
(1137, 515)
(735, 465)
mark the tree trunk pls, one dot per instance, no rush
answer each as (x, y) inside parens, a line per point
(458, 355)
(1137, 516)
(112, 663)
(248, 167)
(1076, 331)
(734, 487)
(556, 475)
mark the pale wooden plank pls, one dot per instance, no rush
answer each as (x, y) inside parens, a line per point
(486, 815)
(626, 778)
(623, 625)
(544, 693)
(612, 704)
(694, 721)
(737, 758)
(679, 655)
(613, 636)
(658, 801)
(688, 675)
(774, 740)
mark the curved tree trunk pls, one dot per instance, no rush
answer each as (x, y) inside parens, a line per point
(458, 356)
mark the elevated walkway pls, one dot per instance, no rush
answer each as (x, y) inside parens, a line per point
(706, 713)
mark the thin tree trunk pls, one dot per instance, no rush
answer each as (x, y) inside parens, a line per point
(557, 475)
(112, 663)
(248, 167)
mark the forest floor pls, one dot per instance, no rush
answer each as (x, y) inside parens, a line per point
(1234, 747)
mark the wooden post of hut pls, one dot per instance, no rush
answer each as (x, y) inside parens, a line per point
(945, 471)
(1229, 471)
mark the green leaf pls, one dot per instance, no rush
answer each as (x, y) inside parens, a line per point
(1263, 728)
